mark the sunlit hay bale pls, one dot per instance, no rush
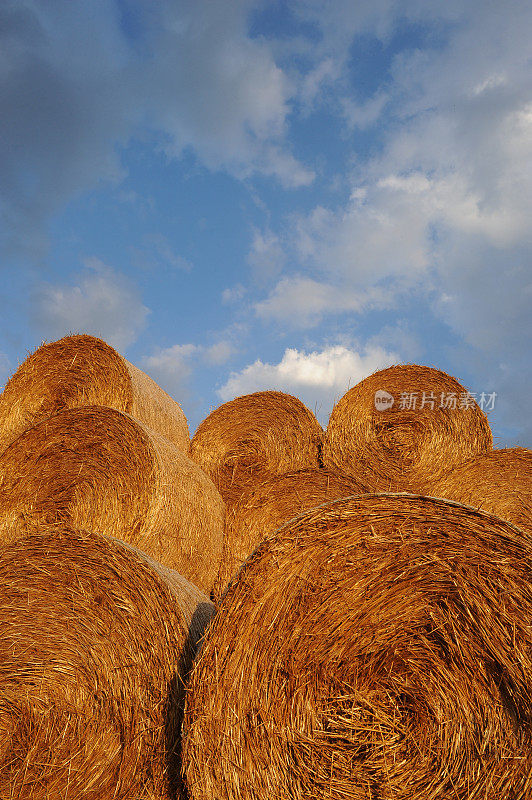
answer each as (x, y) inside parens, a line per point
(397, 448)
(81, 370)
(260, 434)
(499, 482)
(265, 507)
(378, 646)
(96, 643)
(99, 469)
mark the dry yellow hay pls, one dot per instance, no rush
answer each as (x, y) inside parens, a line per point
(378, 646)
(99, 469)
(95, 646)
(254, 436)
(499, 482)
(82, 370)
(397, 448)
(264, 508)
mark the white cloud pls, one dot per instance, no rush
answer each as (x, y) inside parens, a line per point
(233, 294)
(103, 303)
(219, 352)
(213, 87)
(274, 161)
(173, 366)
(317, 80)
(303, 302)
(319, 378)
(266, 256)
(363, 115)
(382, 232)
(171, 359)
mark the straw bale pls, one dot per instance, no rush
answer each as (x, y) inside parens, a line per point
(401, 448)
(95, 647)
(82, 370)
(99, 469)
(379, 646)
(264, 508)
(254, 436)
(499, 482)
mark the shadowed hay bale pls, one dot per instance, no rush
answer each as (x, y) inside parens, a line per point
(101, 470)
(95, 645)
(264, 508)
(499, 482)
(400, 448)
(81, 371)
(379, 646)
(253, 436)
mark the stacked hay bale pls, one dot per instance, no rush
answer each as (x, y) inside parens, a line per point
(82, 370)
(95, 647)
(377, 646)
(101, 470)
(499, 482)
(253, 437)
(268, 505)
(377, 433)
(371, 646)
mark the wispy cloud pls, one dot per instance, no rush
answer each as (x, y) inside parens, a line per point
(101, 302)
(172, 367)
(444, 206)
(266, 256)
(158, 253)
(303, 302)
(74, 86)
(216, 89)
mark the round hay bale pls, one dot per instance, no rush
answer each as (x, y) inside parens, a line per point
(82, 370)
(254, 436)
(499, 482)
(379, 646)
(95, 647)
(396, 447)
(264, 508)
(99, 469)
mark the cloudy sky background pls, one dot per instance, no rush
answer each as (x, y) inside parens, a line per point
(242, 195)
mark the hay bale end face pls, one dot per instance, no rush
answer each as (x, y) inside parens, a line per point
(400, 446)
(82, 370)
(99, 469)
(499, 482)
(274, 501)
(378, 646)
(254, 436)
(94, 650)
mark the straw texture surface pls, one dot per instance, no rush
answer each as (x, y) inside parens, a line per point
(253, 436)
(82, 370)
(101, 470)
(263, 509)
(94, 649)
(499, 482)
(401, 448)
(378, 647)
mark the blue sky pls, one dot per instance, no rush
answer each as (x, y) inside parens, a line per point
(244, 195)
